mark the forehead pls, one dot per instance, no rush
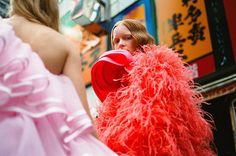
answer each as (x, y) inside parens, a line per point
(121, 30)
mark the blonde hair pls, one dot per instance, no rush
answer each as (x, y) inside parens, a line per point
(137, 29)
(45, 12)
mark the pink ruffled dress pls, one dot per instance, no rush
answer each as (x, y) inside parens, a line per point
(40, 113)
(150, 108)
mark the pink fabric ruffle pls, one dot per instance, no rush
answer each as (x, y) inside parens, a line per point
(40, 113)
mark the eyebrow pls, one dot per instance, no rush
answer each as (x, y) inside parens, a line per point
(123, 35)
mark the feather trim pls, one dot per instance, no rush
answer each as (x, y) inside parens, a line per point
(158, 112)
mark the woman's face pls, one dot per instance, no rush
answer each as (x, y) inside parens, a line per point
(123, 39)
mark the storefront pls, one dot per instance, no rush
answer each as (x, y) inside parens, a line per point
(203, 33)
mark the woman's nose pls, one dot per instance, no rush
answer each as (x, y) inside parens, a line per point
(121, 44)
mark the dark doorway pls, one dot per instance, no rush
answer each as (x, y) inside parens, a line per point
(219, 108)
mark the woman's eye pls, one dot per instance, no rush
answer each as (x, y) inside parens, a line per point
(128, 37)
(116, 41)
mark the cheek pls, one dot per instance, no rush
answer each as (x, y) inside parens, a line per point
(114, 46)
(133, 45)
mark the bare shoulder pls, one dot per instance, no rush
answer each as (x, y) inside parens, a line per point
(52, 47)
(49, 39)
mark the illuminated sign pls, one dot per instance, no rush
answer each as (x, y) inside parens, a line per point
(183, 26)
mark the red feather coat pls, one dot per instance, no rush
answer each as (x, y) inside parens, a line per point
(155, 111)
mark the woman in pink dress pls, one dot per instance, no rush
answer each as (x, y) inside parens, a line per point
(41, 113)
(149, 104)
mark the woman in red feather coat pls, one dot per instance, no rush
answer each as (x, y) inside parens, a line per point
(149, 105)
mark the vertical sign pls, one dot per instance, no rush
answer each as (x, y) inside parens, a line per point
(183, 26)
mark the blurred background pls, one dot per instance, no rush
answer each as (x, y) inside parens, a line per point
(203, 32)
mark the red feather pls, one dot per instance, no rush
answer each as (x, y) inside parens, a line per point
(158, 112)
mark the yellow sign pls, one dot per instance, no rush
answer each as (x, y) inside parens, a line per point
(183, 26)
(138, 13)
